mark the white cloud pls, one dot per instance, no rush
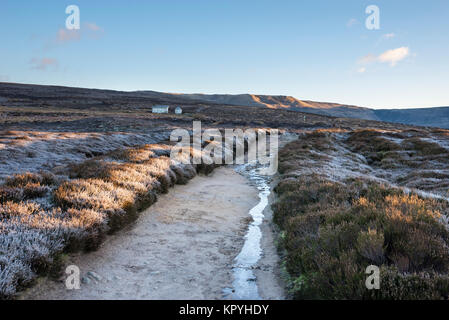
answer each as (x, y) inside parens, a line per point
(44, 63)
(361, 70)
(394, 56)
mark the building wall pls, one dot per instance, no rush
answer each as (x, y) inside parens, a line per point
(160, 109)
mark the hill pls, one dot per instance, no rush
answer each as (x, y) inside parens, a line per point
(13, 94)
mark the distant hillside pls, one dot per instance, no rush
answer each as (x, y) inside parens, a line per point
(18, 94)
(432, 117)
(428, 117)
(272, 102)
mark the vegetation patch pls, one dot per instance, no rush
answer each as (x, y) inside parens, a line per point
(333, 230)
(425, 148)
(97, 197)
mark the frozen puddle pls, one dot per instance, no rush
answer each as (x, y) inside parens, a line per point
(244, 285)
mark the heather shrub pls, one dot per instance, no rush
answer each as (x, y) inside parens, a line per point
(10, 194)
(86, 229)
(297, 197)
(425, 148)
(24, 179)
(312, 146)
(371, 141)
(93, 168)
(12, 209)
(334, 231)
(99, 196)
(30, 239)
(32, 191)
(376, 148)
(398, 285)
(333, 226)
(96, 194)
(135, 155)
(370, 245)
(26, 186)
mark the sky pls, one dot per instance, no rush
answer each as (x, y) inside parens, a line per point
(312, 50)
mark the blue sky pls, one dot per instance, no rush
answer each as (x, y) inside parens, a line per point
(316, 50)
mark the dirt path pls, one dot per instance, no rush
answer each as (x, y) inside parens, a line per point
(182, 247)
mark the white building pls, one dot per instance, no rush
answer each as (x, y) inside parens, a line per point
(178, 110)
(160, 109)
